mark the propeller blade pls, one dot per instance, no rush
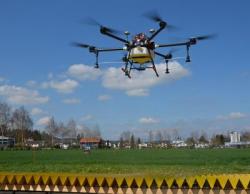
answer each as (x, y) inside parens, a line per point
(93, 22)
(153, 15)
(169, 55)
(173, 50)
(172, 28)
(76, 44)
(205, 37)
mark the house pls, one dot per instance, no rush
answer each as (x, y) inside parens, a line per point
(34, 143)
(179, 143)
(6, 142)
(64, 146)
(235, 140)
(142, 145)
(201, 145)
(89, 142)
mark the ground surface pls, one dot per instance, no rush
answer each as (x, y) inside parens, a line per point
(153, 162)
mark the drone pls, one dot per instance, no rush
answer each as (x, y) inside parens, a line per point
(141, 50)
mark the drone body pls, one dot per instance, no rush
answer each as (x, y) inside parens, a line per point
(141, 50)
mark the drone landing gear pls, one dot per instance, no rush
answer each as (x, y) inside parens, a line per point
(167, 69)
(96, 58)
(129, 66)
(126, 72)
(127, 69)
(154, 68)
(188, 56)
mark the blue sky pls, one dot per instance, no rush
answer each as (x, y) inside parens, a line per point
(40, 70)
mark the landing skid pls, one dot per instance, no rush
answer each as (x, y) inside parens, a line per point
(126, 72)
(129, 65)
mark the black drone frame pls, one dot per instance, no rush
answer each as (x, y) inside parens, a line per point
(129, 64)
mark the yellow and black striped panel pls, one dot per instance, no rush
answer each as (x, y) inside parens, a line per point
(109, 184)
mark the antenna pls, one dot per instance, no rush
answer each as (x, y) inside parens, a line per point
(127, 33)
(188, 56)
(152, 30)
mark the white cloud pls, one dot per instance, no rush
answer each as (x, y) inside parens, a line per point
(137, 92)
(2, 79)
(148, 120)
(232, 116)
(104, 97)
(65, 86)
(141, 82)
(21, 95)
(87, 117)
(43, 121)
(236, 115)
(84, 72)
(114, 78)
(50, 75)
(36, 111)
(31, 83)
(71, 101)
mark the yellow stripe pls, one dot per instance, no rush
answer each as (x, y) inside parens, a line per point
(227, 181)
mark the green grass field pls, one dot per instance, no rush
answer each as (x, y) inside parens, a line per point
(156, 162)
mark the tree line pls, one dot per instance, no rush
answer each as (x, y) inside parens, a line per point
(15, 123)
(18, 124)
(168, 136)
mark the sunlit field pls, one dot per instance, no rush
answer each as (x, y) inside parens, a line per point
(156, 162)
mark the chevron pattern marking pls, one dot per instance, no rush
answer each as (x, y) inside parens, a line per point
(226, 183)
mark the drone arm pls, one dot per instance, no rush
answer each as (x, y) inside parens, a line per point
(96, 51)
(161, 55)
(174, 44)
(187, 44)
(109, 50)
(105, 32)
(162, 26)
(166, 58)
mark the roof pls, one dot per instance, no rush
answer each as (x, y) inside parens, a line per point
(90, 140)
(3, 137)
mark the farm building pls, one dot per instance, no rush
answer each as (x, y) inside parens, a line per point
(6, 142)
(235, 140)
(34, 144)
(89, 142)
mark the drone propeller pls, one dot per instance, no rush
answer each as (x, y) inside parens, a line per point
(169, 55)
(93, 22)
(154, 16)
(76, 44)
(91, 48)
(193, 40)
(205, 37)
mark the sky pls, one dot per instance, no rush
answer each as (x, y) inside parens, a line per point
(43, 72)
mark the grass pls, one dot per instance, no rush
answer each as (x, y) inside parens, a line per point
(153, 162)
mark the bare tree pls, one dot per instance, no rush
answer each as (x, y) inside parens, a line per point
(51, 128)
(5, 117)
(175, 134)
(166, 135)
(150, 136)
(158, 136)
(62, 132)
(71, 126)
(195, 135)
(126, 135)
(21, 121)
(121, 142)
(96, 131)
